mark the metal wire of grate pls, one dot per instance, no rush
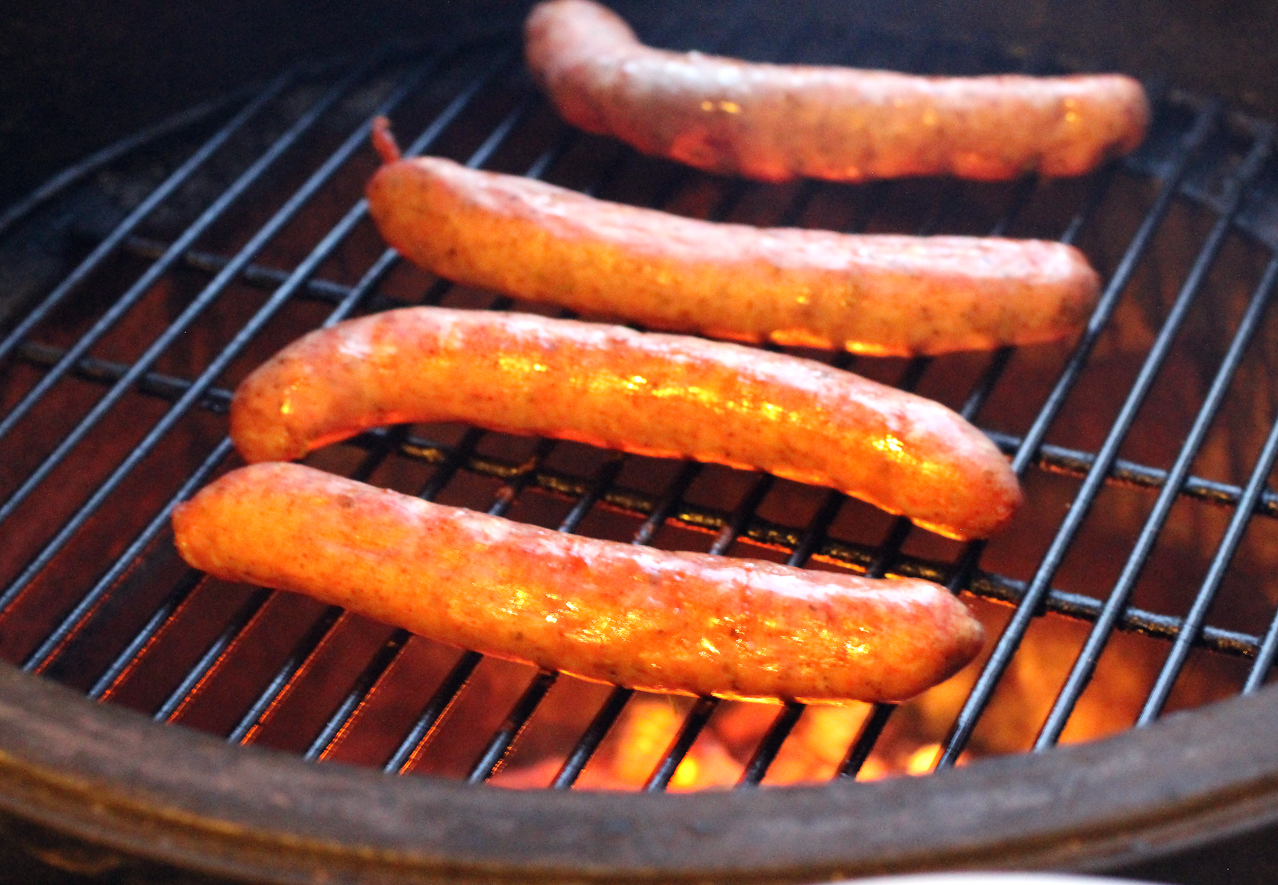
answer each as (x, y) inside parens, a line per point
(282, 246)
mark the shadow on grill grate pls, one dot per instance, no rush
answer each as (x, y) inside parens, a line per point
(1135, 582)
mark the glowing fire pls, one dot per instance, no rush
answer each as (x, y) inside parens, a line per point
(911, 743)
(812, 754)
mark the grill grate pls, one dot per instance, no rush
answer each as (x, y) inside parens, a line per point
(117, 372)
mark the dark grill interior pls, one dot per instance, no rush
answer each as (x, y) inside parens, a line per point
(149, 280)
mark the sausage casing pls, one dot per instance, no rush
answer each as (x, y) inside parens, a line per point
(776, 122)
(879, 294)
(654, 394)
(645, 618)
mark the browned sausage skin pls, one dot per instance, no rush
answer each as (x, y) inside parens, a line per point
(775, 122)
(872, 294)
(645, 618)
(656, 394)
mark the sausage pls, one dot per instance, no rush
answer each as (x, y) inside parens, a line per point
(645, 618)
(775, 122)
(877, 294)
(649, 393)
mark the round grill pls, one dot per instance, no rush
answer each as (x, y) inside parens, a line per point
(148, 280)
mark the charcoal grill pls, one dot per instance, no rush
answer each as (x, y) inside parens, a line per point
(1118, 721)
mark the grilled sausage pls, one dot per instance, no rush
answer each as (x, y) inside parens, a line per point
(645, 618)
(774, 122)
(872, 294)
(655, 394)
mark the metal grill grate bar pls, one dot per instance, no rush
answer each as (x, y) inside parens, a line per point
(161, 344)
(617, 699)
(1072, 462)
(1269, 646)
(889, 549)
(103, 158)
(251, 722)
(370, 279)
(328, 621)
(378, 667)
(107, 247)
(515, 722)
(116, 670)
(253, 274)
(1028, 606)
(225, 200)
(451, 686)
(1085, 664)
(1197, 614)
(357, 695)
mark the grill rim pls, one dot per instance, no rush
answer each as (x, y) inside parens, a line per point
(187, 799)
